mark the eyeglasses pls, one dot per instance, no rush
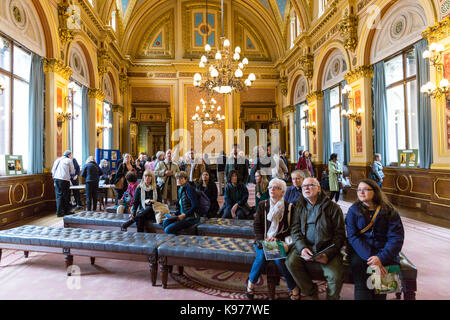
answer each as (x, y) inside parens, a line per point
(364, 189)
(306, 186)
(274, 187)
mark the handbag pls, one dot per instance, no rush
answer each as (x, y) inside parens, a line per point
(162, 182)
(119, 184)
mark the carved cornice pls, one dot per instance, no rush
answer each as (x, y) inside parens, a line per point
(58, 67)
(123, 82)
(348, 28)
(65, 34)
(323, 20)
(289, 109)
(96, 94)
(358, 73)
(439, 31)
(102, 61)
(307, 65)
(117, 108)
(283, 85)
(314, 96)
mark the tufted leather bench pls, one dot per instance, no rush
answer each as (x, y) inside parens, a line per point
(227, 228)
(86, 242)
(111, 221)
(214, 252)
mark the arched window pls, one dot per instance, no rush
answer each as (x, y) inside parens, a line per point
(301, 115)
(295, 28)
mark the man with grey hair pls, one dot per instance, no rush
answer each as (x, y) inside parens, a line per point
(317, 225)
(294, 191)
(62, 169)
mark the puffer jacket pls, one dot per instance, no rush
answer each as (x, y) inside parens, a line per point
(329, 226)
(384, 239)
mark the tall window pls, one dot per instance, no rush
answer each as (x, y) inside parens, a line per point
(75, 125)
(114, 20)
(401, 97)
(294, 27)
(106, 120)
(335, 115)
(322, 6)
(303, 129)
(15, 65)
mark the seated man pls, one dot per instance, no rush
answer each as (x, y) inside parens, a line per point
(236, 197)
(294, 191)
(317, 223)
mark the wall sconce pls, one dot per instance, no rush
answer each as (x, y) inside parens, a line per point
(101, 127)
(350, 113)
(311, 127)
(61, 115)
(2, 88)
(434, 55)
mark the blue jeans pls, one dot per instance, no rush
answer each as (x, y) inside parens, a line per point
(259, 264)
(172, 226)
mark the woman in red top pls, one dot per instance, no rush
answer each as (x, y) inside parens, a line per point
(304, 163)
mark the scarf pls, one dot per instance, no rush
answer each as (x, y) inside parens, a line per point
(146, 189)
(275, 216)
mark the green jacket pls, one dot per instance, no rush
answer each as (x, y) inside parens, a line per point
(333, 172)
(330, 226)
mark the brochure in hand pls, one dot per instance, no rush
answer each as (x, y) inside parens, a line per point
(273, 250)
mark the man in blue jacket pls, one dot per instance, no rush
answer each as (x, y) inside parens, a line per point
(294, 191)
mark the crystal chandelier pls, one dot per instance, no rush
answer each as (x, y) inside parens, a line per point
(224, 73)
(434, 55)
(210, 113)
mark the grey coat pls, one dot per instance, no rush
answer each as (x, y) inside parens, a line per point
(377, 169)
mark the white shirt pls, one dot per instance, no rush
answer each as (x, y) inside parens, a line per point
(63, 168)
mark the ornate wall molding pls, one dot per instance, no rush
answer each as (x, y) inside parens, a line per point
(307, 65)
(358, 73)
(103, 59)
(348, 28)
(58, 67)
(283, 85)
(438, 32)
(65, 34)
(123, 82)
(96, 94)
(314, 96)
(289, 109)
(117, 108)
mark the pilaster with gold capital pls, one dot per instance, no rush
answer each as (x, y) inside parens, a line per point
(315, 115)
(96, 97)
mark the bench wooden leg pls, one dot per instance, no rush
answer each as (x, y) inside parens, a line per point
(25, 254)
(153, 269)
(271, 284)
(69, 262)
(398, 295)
(164, 270)
(180, 270)
(92, 260)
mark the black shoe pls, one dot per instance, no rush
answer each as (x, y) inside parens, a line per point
(79, 207)
(126, 224)
(69, 213)
(60, 215)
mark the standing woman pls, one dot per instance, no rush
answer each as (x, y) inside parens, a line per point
(377, 169)
(304, 164)
(210, 189)
(272, 224)
(165, 172)
(333, 171)
(124, 167)
(261, 188)
(91, 173)
(375, 234)
(142, 209)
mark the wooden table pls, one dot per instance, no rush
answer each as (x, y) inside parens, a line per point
(102, 199)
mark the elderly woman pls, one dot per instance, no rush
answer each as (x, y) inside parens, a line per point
(165, 172)
(334, 171)
(187, 206)
(236, 197)
(126, 166)
(210, 189)
(375, 234)
(142, 209)
(272, 224)
(106, 171)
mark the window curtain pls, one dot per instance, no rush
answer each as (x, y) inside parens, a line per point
(85, 123)
(380, 133)
(423, 107)
(326, 126)
(112, 128)
(36, 116)
(298, 130)
(345, 128)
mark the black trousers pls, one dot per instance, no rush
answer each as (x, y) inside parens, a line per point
(360, 276)
(142, 216)
(119, 193)
(240, 214)
(62, 193)
(91, 195)
(335, 194)
(76, 193)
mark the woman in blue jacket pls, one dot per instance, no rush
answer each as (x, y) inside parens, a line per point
(91, 172)
(187, 206)
(380, 245)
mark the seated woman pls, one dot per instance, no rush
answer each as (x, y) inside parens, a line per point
(236, 197)
(187, 206)
(261, 191)
(375, 234)
(142, 210)
(210, 189)
(272, 224)
(128, 196)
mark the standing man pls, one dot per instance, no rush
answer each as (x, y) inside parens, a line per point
(240, 164)
(221, 162)
(293, 192)
(317, 224)
(61, 171)
(74, 179)
(194, 168)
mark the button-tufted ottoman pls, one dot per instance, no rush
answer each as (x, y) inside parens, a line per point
(212, 252)
(86, 242)
(226, 228)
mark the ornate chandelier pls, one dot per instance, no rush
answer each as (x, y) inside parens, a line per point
(225, 73)
(210, 113)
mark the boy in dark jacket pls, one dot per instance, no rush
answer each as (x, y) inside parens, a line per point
(317, 224)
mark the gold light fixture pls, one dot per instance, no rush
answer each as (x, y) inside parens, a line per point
(210, 114)
(311, 127)
(2, 88)
(225, 73)
(350, 113)
(61, 115)
(434, 55)
(101, 127)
